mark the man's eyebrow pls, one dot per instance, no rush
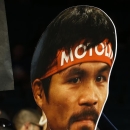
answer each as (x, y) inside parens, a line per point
(104, 68)
(72, 71)
(77, 70)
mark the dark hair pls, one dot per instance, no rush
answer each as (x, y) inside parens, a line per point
(70, 26)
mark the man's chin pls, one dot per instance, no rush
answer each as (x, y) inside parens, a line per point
(83, 125)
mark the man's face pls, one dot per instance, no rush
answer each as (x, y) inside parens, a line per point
(76, 96)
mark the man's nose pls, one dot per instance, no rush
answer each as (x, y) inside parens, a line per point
(88, 95)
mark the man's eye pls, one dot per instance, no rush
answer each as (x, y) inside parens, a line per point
(75, 80)
(100, 78)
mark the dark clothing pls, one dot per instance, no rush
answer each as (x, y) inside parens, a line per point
(105, 123)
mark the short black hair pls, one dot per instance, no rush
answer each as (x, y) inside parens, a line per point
(70, 26)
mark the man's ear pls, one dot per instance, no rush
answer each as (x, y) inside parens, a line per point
(38, 92)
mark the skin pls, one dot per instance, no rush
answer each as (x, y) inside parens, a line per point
(76, 96)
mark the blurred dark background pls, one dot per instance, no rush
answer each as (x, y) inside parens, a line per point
(27, 19)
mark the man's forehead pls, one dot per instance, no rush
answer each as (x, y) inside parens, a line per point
(100, 66)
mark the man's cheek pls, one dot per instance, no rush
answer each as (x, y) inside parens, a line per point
(102, 100)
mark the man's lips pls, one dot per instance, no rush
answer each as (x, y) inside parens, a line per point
(87, 118)
(86, 122)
